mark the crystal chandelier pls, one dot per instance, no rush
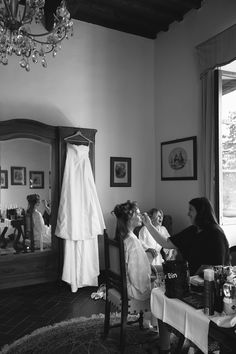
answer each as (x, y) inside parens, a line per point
(16, 36)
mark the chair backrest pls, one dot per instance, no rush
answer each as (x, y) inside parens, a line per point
(28, 224)
(232, 252)
(115, 270)
(167, 222)
(28, 229)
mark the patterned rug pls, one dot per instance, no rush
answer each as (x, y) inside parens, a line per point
(83, 336)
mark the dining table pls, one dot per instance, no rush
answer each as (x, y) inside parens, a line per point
(193, 324)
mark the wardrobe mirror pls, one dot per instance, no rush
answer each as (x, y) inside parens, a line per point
(25, 170)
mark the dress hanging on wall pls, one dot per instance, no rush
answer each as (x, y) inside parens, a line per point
(80, 220)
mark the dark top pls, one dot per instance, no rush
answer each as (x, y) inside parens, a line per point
(46, 218)
(209, 246)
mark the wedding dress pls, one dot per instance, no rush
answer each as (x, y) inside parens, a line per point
(80, 220)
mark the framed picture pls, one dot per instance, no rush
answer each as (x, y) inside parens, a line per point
(4, 179)
(18, 176)
(179, 159)
(36, 179)
(120, 172)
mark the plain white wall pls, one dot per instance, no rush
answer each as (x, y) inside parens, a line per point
(178, 95)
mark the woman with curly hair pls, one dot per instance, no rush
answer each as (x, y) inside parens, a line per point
(138, 267)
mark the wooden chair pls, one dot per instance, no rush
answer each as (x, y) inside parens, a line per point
(19, 225)
(168, 223)
(116, 291)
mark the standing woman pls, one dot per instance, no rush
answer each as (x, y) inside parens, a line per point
(138, 268)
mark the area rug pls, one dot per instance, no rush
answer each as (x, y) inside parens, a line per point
(83, 336)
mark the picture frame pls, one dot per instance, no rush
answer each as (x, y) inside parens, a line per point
(120, 172)
(179, 159)
(18, 176)
(36, 179)
(4, 179)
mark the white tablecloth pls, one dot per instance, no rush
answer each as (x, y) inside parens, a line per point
(6, 223)
(192, 323)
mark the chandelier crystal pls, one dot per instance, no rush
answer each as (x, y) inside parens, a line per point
(17, 37)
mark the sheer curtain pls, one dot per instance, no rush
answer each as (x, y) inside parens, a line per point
(217, 51)
(208, 136)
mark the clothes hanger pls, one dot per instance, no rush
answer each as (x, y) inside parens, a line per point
(78, 133)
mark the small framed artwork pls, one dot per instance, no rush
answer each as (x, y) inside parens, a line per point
(120, 172)
(179, 159)
(36, 179)
(18, 176)
(4, 179)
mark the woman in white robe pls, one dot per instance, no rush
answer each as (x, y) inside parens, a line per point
(151, 247)
(80, 220)
(138, 269)
(41, 232)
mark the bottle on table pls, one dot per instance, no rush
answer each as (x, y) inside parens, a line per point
(209, 291)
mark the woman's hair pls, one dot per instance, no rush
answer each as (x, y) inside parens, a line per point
(32, 200)
(153, 211)
(205, 212)
(123, 213)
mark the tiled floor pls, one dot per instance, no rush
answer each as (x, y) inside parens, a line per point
(25, 309)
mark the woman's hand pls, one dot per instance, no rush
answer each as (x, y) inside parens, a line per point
(152, 251)
(146, 220)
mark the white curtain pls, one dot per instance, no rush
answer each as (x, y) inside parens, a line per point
(80, 220)
(217, 51)
(208, 136)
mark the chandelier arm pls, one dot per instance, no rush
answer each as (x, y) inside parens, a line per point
(8, 8)
(48, 43)
(23, 16)
(43, 34)
(38, 35)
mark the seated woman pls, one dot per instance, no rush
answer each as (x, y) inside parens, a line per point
(201, 244)
(41, 232)
(138, 268)
(153, 249)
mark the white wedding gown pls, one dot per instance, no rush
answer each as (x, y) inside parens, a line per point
(80, 220)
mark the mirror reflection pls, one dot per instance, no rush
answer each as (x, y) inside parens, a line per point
(25, 196)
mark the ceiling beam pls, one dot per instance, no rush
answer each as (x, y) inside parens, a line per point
(114, 19)
(142, 17)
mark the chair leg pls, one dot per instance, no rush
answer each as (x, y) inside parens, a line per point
(140, 319)
(124, 315)
(180, 344)
(2, 237)
(107, 318)
(32, 245)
